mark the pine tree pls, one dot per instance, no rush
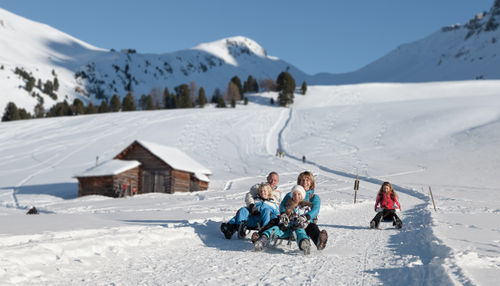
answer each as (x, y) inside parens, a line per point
(48, 87)
(250, 85)
(215, 96)
(115, 103)
(91, 109)
(183, 99)
(128, 103)
(103, 107)
(11, 112)
(303, 88)
(56, 84)
(148, 102)
(30, 84)
(245, 87)
(23, 114)
(60, 109)
(143, 102)
(202, 99)
(221, 103)
(169, 99)
(78, 107)
(286, 88)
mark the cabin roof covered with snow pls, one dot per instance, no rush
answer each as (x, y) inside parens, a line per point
(109, 168)
(177, 159)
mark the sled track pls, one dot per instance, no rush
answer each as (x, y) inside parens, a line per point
(418, 234)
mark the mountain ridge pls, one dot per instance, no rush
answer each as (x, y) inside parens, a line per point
(456, 52)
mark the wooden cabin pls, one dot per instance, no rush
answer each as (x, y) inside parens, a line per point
(165, 169)
(114, 178)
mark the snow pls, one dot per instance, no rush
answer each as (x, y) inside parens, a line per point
(176, 158)
(41, 50)
(221, 48)
(92, 74)
(440, 135)
(108, 168)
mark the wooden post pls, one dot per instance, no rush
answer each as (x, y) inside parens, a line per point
(356, 188)
(432, 197)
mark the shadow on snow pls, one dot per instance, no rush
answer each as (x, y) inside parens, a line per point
(417, 241)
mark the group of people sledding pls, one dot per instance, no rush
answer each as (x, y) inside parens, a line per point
(294, 216)
(278, 217)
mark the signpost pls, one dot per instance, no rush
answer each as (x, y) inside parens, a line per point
(356, 188)
(432, 197)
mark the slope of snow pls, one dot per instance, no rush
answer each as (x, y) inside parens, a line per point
(94, 74)
(443, 135)
(458, 52)
(224, 48)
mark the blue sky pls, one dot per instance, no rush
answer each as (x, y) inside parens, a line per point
(316, 36)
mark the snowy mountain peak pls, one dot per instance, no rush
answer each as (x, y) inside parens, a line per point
(231, 48)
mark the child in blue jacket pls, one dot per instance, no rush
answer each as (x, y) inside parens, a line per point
(292, 220)
(267, 209)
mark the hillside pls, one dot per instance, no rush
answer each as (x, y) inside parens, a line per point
(457, 52)
(91, 73)
(443, 135)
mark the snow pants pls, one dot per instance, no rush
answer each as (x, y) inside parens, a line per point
(312, 230)
(252, 221)
(277, 232)
(386, 215)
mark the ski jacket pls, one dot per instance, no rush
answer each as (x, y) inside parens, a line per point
(303, 208)
(387, 202)
(254, 194)
(261, 204)
(310, 197)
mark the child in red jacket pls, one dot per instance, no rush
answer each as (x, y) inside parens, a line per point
(388, 201)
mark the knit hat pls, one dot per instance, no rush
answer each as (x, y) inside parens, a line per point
(300, 189)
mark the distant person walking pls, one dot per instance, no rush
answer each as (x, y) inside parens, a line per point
(303, 158)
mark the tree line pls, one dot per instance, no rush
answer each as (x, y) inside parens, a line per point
(185, 96)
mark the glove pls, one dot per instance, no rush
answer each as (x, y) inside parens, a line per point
(253, 209)
(302, 221)
(284, 222)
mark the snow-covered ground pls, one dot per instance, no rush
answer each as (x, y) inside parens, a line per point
(443, 135)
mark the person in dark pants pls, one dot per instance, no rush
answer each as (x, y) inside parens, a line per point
(306, 180)
(388, 201)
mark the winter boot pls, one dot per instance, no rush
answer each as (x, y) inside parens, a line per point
(397, 222)
(323, 238)
(305, 245)
(242, 230)
(373, 224)
(260, 243)
(227, 229)
(255, 236)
